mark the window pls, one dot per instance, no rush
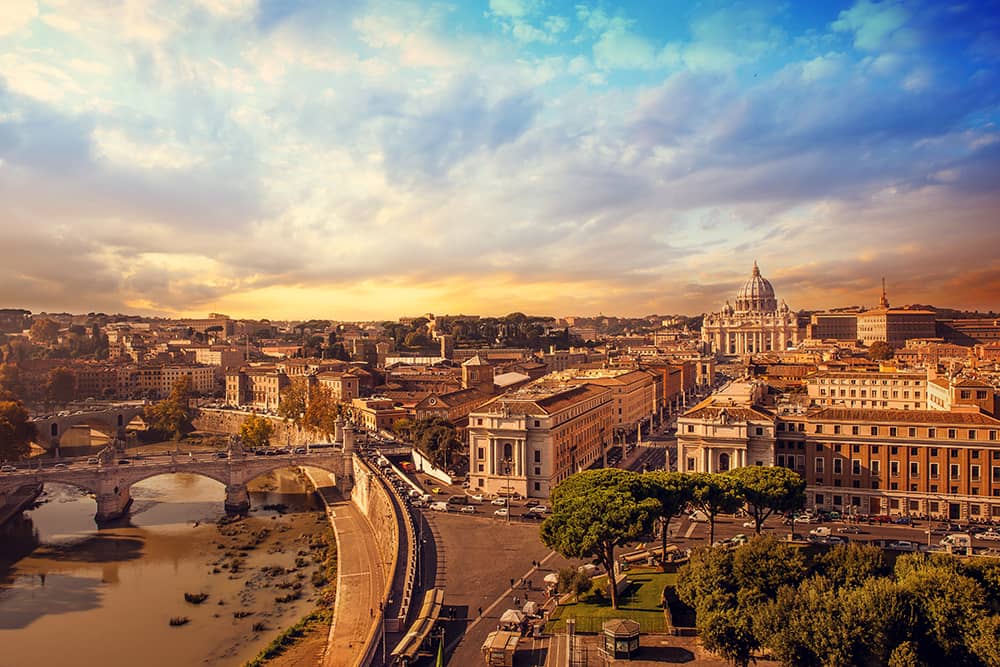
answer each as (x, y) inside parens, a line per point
(894, 450)
(856, 448)
(479, 422)
(479, 467)
(912, 432)
(952, 433)
(759, 430)
(914, 469)
(874, 430)
(836, 429)
(538, 423)
(690, 428)
(975, 473)
(972, 434)
(482, 453)
(838, 500)
(993, 435)
(538, 456)
(932, 433)
(538, 486)
(819, 428)
(855, 466)
(934, 451)
(819, 498)
(934, 468)
(855, 483)
(838, 466)
(996, 474)
(855, 430)
(820, 463)
(954, 454)
(894, 468)
(975, 453)
(953, 471)
(892, 431)
(875, 465)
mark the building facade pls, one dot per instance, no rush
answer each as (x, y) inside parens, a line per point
(890, 389)
(527, 441)
(755, 324)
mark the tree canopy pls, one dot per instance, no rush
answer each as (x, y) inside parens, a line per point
(16, 431)
(256, 431)
(593, 513)
(672, 492)
(769, 489)
(172, 416)
(714, 495)
(44, 330)
(61, 385)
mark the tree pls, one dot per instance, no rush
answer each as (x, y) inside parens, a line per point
(256, 431)
(436, 438)
(172, 416)
(985, 641)
(61, 385)
(323, 412)
(729, 633)
(11, 387)
(714, 494)
(769, 489)
(851, 565)
(403, 427)
(44, 330)
(593, 513)
(950, 606)
(16, 431)
(293, 402)
(764, 565)
(880, 351)
(571, 580)
(672, 492)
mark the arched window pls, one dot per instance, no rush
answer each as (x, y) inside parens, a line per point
(508, 451)
(723, 462)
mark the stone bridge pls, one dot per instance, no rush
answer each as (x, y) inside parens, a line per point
(111, 481)
(110, 420)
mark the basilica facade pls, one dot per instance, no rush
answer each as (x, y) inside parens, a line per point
(755, 324)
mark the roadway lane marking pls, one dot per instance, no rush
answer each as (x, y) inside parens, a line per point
(690, 530)
(357, 574)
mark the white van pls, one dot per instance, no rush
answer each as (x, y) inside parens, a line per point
(698, 515)
(957, 540)
(439, 506)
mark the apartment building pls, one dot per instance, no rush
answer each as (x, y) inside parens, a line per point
(864, 388)
(529, 440)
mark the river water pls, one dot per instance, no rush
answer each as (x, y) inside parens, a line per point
(71, 594)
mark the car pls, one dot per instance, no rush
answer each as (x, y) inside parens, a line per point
(221, 455)
(92, 461)
(123, 462)
(538, 510)
(749, 524)
(413, 493)
(853, 530)
(499, 501)
(902, 545)
(436, 490)
(8, 469)
(803, 518)
(60, 466)
(833, 539)
(992, 534)
(418, 502)
(476, 497)
(738, 539)
(531, 503)
(440, 506)
(466, 484)
(468, 509)
(503, 511)
(300, 450)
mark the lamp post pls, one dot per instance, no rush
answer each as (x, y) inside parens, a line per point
(507, 466)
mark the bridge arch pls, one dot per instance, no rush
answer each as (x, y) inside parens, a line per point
(150, 474)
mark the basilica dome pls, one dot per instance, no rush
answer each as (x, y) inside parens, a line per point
(756, 295)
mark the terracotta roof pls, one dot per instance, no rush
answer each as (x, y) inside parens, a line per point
(535, 399)
(735, 412)
(907, 416)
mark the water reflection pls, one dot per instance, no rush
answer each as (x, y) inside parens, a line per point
(62, 577)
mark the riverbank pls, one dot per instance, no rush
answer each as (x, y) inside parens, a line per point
(126, 582)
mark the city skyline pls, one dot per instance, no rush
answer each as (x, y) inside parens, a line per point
(363, 160)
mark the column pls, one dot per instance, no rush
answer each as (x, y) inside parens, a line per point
(491, 450)
(709, 465)
(237, 499)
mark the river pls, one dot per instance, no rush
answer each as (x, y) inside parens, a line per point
(71, 594)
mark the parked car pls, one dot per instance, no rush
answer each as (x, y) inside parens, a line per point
(439, 506)
(538, 510)
(468, 509)
(8, 469)
(853, 530)
(503, 511)
(221, 455)
(499, 501)
(531, 503)
(749, 524)
(123, 462)
(476, 497)
(833, 539)
(992, 534)
(903, 545)
(60, 466)
(822, 531)
(92, 461)
(436, 490)
(300, 450)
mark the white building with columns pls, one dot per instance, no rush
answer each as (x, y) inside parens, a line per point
(527, 441)
(727, 430)
(755, 324)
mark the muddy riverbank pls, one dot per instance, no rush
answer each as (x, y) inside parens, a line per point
(72, 594)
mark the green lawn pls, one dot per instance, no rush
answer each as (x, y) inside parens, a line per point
(641, 602)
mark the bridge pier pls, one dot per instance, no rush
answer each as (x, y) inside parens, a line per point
(113, 500)
(237, 499)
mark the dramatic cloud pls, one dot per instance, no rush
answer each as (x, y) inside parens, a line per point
(369, 158)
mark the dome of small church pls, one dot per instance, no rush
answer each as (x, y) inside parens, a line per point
(756, 295)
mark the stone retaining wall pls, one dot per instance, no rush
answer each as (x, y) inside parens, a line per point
(229, 421)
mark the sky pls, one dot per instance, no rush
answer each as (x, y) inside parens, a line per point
(352, 159)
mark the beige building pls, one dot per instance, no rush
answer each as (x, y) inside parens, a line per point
(894, 325)
(344, 386)
(755, 324)
(833, 326)
(962, 394)
(633, 392)
(729, 429)
(527, 441)
(256, 387)
(884, 389)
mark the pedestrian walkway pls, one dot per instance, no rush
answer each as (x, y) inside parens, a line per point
(360, 584)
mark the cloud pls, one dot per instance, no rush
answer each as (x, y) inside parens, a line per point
(16, 14)
(877, 25)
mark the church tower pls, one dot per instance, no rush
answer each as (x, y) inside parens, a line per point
(477, 374)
